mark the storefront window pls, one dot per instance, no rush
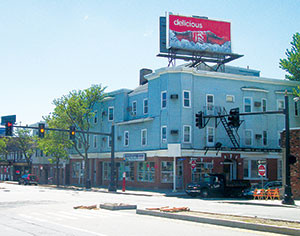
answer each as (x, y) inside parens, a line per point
(128, 168)
(199, 173)
(106, 170)
(251, 169)
(76, 169)
(146, 171)
(167, 172)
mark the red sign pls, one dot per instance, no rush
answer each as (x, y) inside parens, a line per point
(262, 170)
(191, 33)
(193, 164)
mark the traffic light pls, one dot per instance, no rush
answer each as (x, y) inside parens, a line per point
(8, 128)
(199, 120)
(234, 117)
(72, 133)
(41, 130)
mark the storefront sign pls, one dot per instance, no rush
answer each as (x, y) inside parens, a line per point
(135, 156)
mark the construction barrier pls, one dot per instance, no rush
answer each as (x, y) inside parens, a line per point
(266, 194)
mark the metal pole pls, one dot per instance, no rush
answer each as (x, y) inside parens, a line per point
(288, 200)
(112, 185)
(174, 174)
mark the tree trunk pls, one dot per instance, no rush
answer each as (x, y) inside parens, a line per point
(57, 172)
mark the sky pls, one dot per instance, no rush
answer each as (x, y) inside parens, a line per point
(51, 47)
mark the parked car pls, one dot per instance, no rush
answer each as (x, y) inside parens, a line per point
(28, 179)
(248, 193)
(217, 185)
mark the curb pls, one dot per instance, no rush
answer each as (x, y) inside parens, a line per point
(112, 207)
(220, 222)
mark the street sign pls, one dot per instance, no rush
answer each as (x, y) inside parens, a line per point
(262, 170)
(193, 164)
(5, 119)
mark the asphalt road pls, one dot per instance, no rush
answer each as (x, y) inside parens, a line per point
(35, 210)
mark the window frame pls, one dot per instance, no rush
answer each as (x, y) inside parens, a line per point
(163, 140)
(145, 113)
(184, 99)
(163, 101)
(262, 105)
(208, 134)
(190, 134)
(283, 105)
(126, 139)
(96, 117)
(265, 138)
(144, 138)
(251, 104)
(208, 104)
(251, 137)
(109, 113)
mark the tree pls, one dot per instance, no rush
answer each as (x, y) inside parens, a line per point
(77, 109)
(3, 149)
(292, 63)
(55, 144)
(26, 144)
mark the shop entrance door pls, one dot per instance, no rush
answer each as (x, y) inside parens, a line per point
(229, 169)
(179, 174)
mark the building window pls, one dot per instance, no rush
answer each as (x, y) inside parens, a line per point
(187, 99)
(146, 172)
(109, 141)
(164, 134)
(95, 141)
(280, 105)
(167, 172)
(96, 117)
(145, 108)
(76, 169)
(106, 170)
(209, 102)
(279, 138)
(144, 137)
(134, 108)
(229, 98)
(251, 169)
(163, 99)
(126, 138)
(128, 168)
(279, 169)
(264, 104)
(110, 113)
(296, 109)
(247, 104)
(265, 138)
(201, 171)
(248, 137)
(210, 137)
(187, 134)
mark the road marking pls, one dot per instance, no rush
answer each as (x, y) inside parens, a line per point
(77, 214)
(62, 225)
(45, 215)
(63, 216)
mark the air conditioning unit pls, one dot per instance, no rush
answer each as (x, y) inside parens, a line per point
(133, 113)
(174, 96)
(258, 136)
(174, 131)
(257, 104)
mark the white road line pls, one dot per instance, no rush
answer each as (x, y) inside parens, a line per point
(63, 216)
(77, 214)
(62, 225)
(45, 215)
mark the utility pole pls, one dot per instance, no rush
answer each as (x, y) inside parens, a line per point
(112, 186)
(288, 200)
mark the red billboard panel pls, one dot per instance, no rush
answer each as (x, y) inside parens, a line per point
(196, 34)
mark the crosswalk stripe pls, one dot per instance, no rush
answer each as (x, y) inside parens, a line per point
(77, 214)
(63, 216)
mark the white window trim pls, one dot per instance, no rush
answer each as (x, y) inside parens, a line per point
(251, 131)
(134, 112)
(207, 133)
(233, 98)
(183, 99)
(278, 101)
(262, 104)
(213, 103)
(161, 99)
(144, 106)
(125, 138)
(144, 130)
(190, 134)
(251, 104)
(161, 134)
(113, 111)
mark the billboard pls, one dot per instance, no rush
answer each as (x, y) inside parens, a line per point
(197, 34)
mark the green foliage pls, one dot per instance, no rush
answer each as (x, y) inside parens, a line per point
(292, 63)
(3, 149)
(25, 143)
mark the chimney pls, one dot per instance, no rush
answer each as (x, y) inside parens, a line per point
(144, 72)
